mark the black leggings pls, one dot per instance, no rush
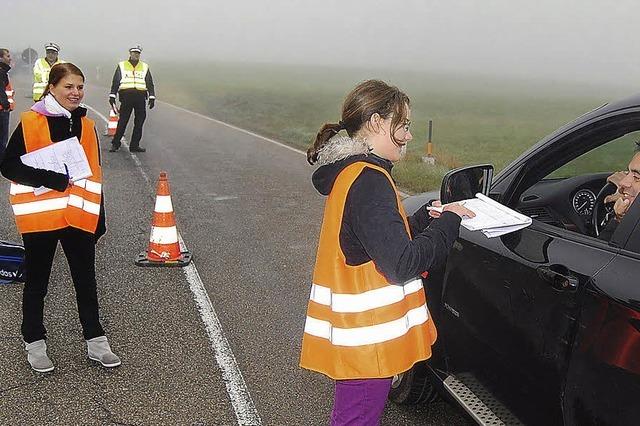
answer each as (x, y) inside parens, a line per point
(40, 248)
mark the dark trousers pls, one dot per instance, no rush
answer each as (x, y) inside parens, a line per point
(40, 248)
(4, 131)
(136, 101)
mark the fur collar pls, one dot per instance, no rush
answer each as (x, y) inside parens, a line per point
(340, 147)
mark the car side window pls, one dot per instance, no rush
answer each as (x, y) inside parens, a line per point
(607, 158)
(571, 189)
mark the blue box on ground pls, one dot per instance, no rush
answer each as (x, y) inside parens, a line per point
(11, 262)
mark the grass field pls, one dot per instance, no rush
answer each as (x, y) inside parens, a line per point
(476, 119)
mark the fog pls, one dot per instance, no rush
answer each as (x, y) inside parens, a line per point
(573, 40)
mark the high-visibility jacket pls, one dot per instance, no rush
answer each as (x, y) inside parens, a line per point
(78, 206)
(133, 77)
(41, 70)
(358, 324)
(8, 89)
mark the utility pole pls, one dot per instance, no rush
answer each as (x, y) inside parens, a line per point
(429, 158)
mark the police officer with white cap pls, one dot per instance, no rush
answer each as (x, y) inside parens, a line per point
(42, 67)
(133, 83)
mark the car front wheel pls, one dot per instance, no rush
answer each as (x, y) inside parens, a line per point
(413, 386)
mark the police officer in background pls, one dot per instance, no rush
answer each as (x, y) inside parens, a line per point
(42, 67)
(134, 84)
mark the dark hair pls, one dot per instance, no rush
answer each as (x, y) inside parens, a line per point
(60, 71)
(366, 99)
(3, 51)
(636, 148)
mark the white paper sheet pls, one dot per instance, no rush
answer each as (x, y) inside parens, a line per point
(492, 218)
(54, 157)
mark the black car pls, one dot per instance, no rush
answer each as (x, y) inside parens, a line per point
(542, 326)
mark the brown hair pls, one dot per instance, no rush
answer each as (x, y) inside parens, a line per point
(60, 71)
(366, 99)
(3, 51)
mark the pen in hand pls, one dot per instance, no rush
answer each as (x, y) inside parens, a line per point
(66, 171)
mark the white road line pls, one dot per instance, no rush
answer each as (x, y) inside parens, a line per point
(239, 129)
(243, 405)
(245, 410)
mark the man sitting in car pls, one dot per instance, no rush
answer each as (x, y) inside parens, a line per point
(628, 184)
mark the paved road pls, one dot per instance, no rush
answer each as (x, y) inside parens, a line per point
(246, 209)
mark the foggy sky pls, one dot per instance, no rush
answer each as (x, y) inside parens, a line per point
(568, 40)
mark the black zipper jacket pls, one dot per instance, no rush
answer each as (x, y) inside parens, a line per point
(372, 228)
(60, 128)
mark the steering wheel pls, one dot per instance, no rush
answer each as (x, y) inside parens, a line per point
(602, 212)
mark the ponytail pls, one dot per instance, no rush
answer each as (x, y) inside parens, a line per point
(326, 132)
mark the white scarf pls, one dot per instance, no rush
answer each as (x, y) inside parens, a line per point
(50, 106)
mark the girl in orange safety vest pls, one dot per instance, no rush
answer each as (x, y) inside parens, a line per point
(71, 212)
(367, 318)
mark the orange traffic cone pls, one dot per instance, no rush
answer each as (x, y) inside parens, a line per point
(113, 123)
(164, 248)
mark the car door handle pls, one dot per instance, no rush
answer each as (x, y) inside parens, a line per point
(559, 277)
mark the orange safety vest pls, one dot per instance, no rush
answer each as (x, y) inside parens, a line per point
(78, 206)
(8, 90)
(358, 324)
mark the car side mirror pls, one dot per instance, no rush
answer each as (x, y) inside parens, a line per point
(465, 182)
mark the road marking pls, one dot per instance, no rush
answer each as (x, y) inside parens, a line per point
(225, 197)
(239, 129)
(243, 405)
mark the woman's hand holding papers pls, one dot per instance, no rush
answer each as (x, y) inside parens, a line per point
(458, 209)
(436, 209)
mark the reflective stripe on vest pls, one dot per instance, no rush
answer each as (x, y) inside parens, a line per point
(364, 301)
(358, 324)
(133, 77)
(78, 206)
(41, 70)
(359, 336)
(8, 90)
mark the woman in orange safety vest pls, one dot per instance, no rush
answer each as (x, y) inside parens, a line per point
(367, 318)
(69, 211)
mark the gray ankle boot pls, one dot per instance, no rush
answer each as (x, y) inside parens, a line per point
(99, 350)
(37, 356)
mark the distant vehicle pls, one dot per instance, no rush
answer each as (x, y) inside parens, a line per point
(542, 326)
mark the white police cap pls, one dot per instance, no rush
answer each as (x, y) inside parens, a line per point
(136, 48)
(52, 46)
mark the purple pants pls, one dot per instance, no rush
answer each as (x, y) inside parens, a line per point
(359, 402)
